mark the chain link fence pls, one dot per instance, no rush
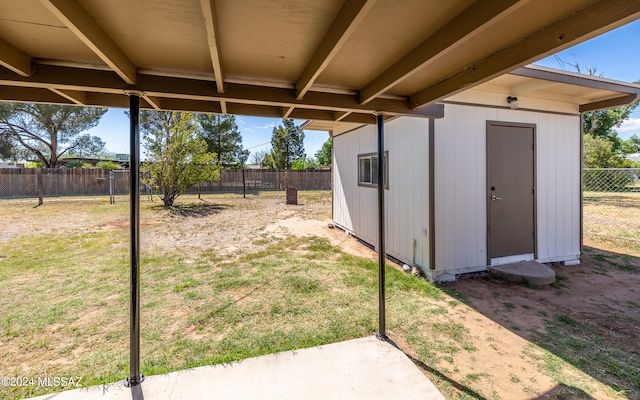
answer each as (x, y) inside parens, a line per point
(611, 202)
(18, 183)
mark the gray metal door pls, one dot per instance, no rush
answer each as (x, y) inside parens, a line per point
(510, 189)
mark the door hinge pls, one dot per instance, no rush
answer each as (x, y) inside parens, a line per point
(533, 190)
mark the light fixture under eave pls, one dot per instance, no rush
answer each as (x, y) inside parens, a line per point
(513, 102)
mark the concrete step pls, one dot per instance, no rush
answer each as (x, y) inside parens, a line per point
(531, 272)
(365, 368)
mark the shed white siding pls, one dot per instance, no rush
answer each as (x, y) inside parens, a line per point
(459, 185)
(558, 185)
(406, 200)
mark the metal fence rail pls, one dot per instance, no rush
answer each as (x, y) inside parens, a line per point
(611, 202)
(17, 183)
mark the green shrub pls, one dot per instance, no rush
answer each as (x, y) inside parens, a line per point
(77, 164)
(108, 165)
(34, 164)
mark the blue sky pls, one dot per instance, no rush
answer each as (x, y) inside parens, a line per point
(615, 54)
(256, 133)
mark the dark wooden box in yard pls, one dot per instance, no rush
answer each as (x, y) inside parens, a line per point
(292, 196)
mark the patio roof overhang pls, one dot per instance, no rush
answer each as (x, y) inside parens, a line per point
(329, 60)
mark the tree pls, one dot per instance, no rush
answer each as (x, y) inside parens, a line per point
(223, 138)
(287, 143)
(48, 131)
(177, 158)
(634, 144)
(267, 161)
(304, 163)
(602, 123)
(324, 154)
(257, 158)
(88, 146)
(6, 149)
(599, 153)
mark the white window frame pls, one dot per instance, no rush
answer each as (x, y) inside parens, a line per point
(368, 178)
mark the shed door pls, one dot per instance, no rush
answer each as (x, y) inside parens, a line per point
(510, 189)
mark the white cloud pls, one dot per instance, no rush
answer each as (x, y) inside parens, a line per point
(632, 124)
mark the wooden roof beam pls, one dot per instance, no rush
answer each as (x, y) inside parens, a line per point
(615, 102)
(589, 22)
(154, 102)
(339, 116)
(573, 78)
(213, 39)
(15, 59)
(78, 98)
(286, 111)
(96, 81)
(465, 25)
(31, 95)
(351, 14)
(84, 26)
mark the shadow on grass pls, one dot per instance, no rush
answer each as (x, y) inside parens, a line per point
(563, 391)
(457, 385)
(195, 210)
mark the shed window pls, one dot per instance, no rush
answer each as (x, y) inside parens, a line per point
(368, 170)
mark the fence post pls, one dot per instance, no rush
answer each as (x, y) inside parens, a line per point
(244, 185)
(40, 185)
(111, 197)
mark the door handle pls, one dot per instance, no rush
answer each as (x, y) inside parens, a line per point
(494, 198)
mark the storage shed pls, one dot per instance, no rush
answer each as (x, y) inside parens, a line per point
(496, 180)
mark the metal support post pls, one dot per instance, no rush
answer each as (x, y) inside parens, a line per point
(135, 377)
(111, 194)
(382, 334)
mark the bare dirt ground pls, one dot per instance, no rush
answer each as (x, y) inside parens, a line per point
(227, 223)
(588, 291)
(594, 307)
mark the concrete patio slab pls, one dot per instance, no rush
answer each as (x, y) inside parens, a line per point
(365, 368)
(531, 272)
